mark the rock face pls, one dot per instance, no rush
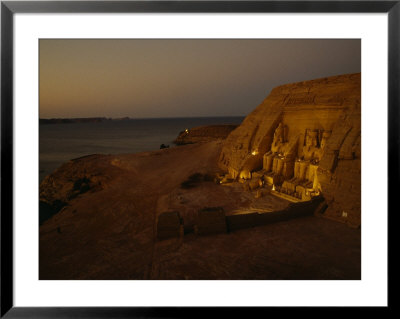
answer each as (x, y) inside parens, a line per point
(204, 134)
(305, 138)
(74, 178)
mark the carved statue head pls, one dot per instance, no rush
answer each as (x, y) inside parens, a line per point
(278, 135)
(311, 138)
(325, 136)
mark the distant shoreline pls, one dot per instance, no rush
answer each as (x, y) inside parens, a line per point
(105, 119)
(78, 120)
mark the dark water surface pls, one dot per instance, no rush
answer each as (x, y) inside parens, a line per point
(58, 143)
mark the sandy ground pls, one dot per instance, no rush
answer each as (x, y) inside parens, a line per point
(111, 233)
(306, 248)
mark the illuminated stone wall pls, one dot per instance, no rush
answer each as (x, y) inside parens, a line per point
(324, 105)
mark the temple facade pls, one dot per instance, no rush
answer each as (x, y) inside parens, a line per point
(303, 140)
(290, 166)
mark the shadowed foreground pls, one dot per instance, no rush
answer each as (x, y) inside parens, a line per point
(107, 228)
(305, 248)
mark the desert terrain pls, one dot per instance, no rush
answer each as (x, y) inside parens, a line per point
(109, 232)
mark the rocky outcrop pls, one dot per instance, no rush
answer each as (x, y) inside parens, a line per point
(72, 179)
(318, 122)
(339, 172)
(204, 134)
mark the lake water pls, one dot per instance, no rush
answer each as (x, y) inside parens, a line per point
(58, 143)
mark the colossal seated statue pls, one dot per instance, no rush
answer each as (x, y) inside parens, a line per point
(304, 168)
(308, 156)
(300, 179)
(300, 169)
(297, 177)
(278, 147)
(320, 152)
(279, 139)
(311, 145)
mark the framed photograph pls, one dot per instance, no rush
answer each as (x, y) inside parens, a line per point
(163, 155)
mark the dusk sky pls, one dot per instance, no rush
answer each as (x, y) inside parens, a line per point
(179, 78)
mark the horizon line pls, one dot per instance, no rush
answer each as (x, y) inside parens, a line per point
(136, 118)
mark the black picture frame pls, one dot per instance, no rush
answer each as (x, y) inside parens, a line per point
(9, 8)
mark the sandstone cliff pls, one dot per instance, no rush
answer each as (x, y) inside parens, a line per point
(204, 134)
(331, 105)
